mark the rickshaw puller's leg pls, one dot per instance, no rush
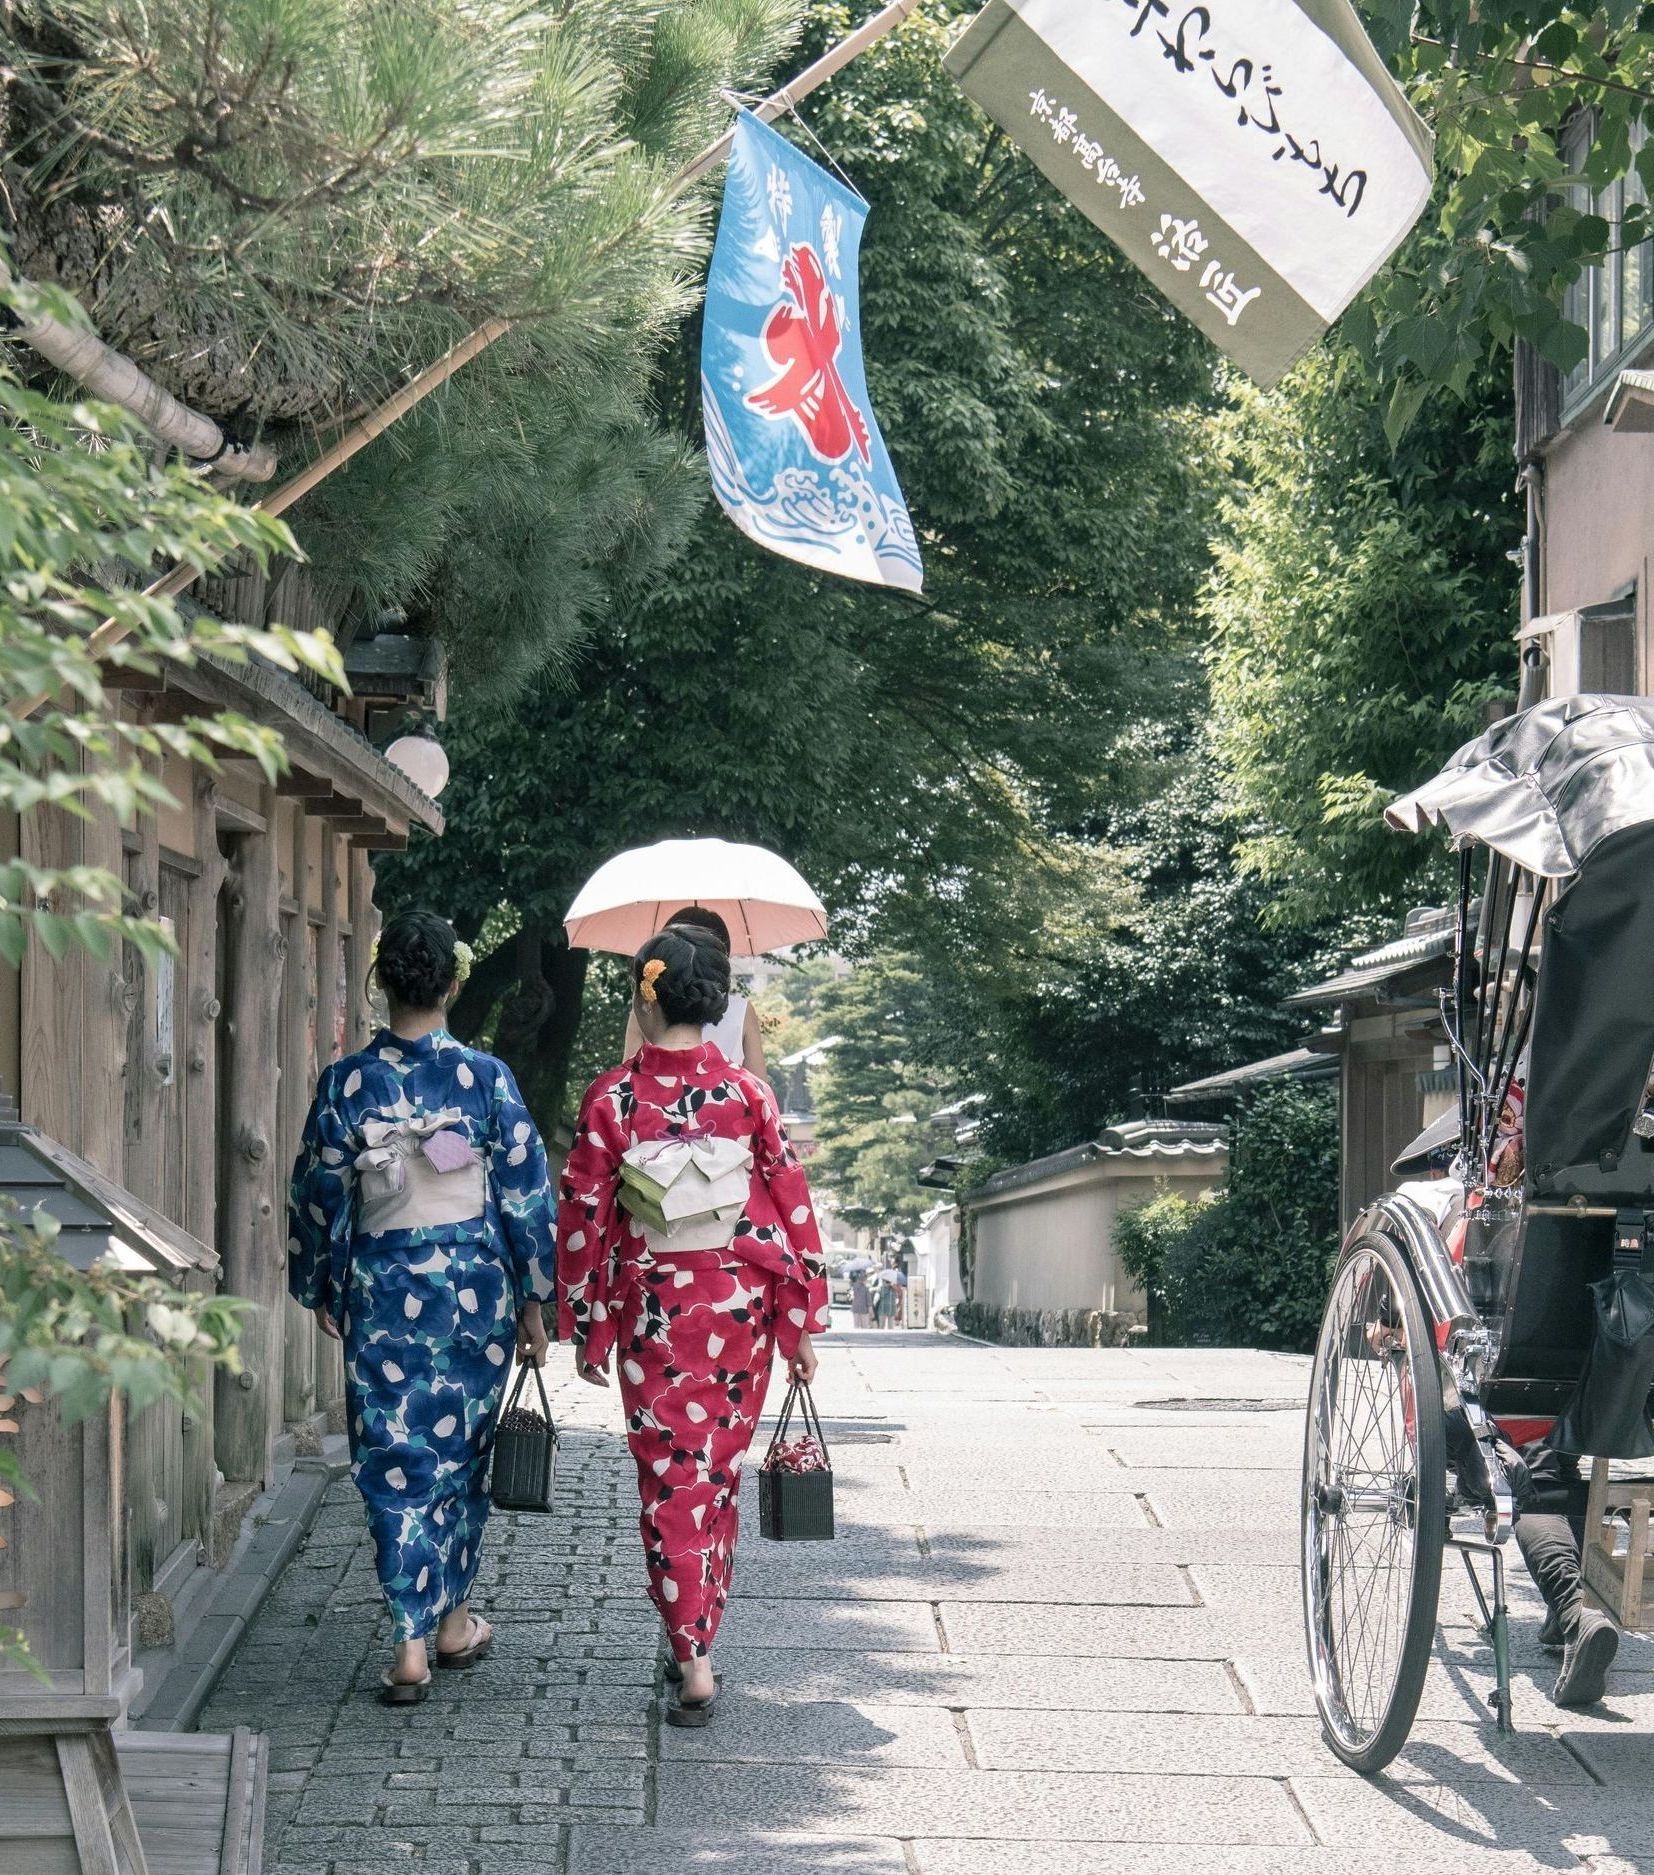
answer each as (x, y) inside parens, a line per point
(1551, 1551)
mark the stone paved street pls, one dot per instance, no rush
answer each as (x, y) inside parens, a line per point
(1057, 1635)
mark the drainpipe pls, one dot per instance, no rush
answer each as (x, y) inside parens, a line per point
(1532, 686)
(117, 380)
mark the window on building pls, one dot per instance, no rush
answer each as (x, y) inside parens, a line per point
(1613, 300)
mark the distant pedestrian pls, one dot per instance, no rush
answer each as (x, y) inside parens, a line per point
(694, 1311)
(737, 1033)
(420, 1233)
(887, 1301)
(861, 1301)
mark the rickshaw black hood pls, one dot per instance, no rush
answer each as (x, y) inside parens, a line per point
(1594, 1027)
(1547, 786)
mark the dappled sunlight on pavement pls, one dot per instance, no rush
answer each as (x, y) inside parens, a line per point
(1058, 1634)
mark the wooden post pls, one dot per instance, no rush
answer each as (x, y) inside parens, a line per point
(297, 1074)
(54, 994)
(329, 1358)
(103, 1027)
(197, 1040)
(364, 933)
(247, 1406)
(150, 1431)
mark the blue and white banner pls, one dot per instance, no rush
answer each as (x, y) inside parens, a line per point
(796, 456)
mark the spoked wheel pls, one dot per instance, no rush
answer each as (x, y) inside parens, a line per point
(1374, 1505)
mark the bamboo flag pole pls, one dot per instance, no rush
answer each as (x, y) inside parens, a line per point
(434, 376)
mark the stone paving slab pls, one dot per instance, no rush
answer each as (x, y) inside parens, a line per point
(955, 1857)
(1179, 1499)
(1008, 1806)
(1203, 1451)
(889, 1627)
(956, 1681)
(750, 1852)
(1161, 1585)
(1136, 1633)
(1252, 1746)
(1096, 1553)
(968, 1508)
(1439, 1821)
(751, 1729)
(1280, 1686)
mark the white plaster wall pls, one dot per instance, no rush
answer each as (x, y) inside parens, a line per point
(1599, 522)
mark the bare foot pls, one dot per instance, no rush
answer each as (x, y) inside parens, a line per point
(412, 1663)
(698, 1682)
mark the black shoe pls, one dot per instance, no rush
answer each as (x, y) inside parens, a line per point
(1584, 1676)
(1551, 1634)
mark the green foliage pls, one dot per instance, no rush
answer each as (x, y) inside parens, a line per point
(1361, 616)
(78, 1338)
(284, 211)
(1247, 1266)
(874, 1099)
(1501, 241)
(77, 493)
(328, 188)
(928, 765)
(82, 1336)
(1156, 970)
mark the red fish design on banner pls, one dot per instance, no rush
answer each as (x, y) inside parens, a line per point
(802, 338)
(796, 456)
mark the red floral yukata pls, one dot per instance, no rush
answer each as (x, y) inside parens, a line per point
(695, 1331)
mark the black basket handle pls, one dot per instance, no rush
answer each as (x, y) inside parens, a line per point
(800, 1396)
(523, 1372)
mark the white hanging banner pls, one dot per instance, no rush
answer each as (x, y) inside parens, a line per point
(1253, 157)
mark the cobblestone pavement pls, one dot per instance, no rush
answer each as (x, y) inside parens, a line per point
(1057, 1635)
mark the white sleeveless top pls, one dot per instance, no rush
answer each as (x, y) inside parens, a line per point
(728, 1033)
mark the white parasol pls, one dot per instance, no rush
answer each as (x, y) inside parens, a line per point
(762, 899)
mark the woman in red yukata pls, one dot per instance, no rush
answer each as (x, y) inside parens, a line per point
(693, 1297)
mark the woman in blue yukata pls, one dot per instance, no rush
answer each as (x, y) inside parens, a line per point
(421, 1231)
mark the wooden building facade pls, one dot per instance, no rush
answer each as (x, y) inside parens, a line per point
(185, 1085)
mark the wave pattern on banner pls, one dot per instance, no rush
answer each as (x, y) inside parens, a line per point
(837, 521)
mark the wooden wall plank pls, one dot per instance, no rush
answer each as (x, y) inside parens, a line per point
(251, 1235)
(364, 934)
(197, 1023)
(328, 1362)
(37, 1560)
(297, 1076)
(54, 996)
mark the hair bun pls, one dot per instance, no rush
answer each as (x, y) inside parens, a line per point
(416, 959)
(693, 985)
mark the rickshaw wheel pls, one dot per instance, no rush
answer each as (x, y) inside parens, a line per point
(1374, 1505)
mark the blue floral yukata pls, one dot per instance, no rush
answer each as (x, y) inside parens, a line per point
(421, 1215)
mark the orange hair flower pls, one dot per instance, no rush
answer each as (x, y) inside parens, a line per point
(655, 967)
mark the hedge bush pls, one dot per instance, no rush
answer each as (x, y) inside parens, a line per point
(1247, 1266)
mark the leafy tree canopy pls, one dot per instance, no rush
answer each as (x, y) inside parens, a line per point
(1517, 213)
(284, 211)
(874, 1097)
(1361, 614)
(1043, 413)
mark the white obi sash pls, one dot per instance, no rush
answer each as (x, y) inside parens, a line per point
(400, 1180)
(688, 1194)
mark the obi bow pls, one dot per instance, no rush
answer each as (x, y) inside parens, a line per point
(666, 1160)
(666, 1182)
(382, 1166)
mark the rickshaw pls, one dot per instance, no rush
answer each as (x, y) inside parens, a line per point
(1462, 1311)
